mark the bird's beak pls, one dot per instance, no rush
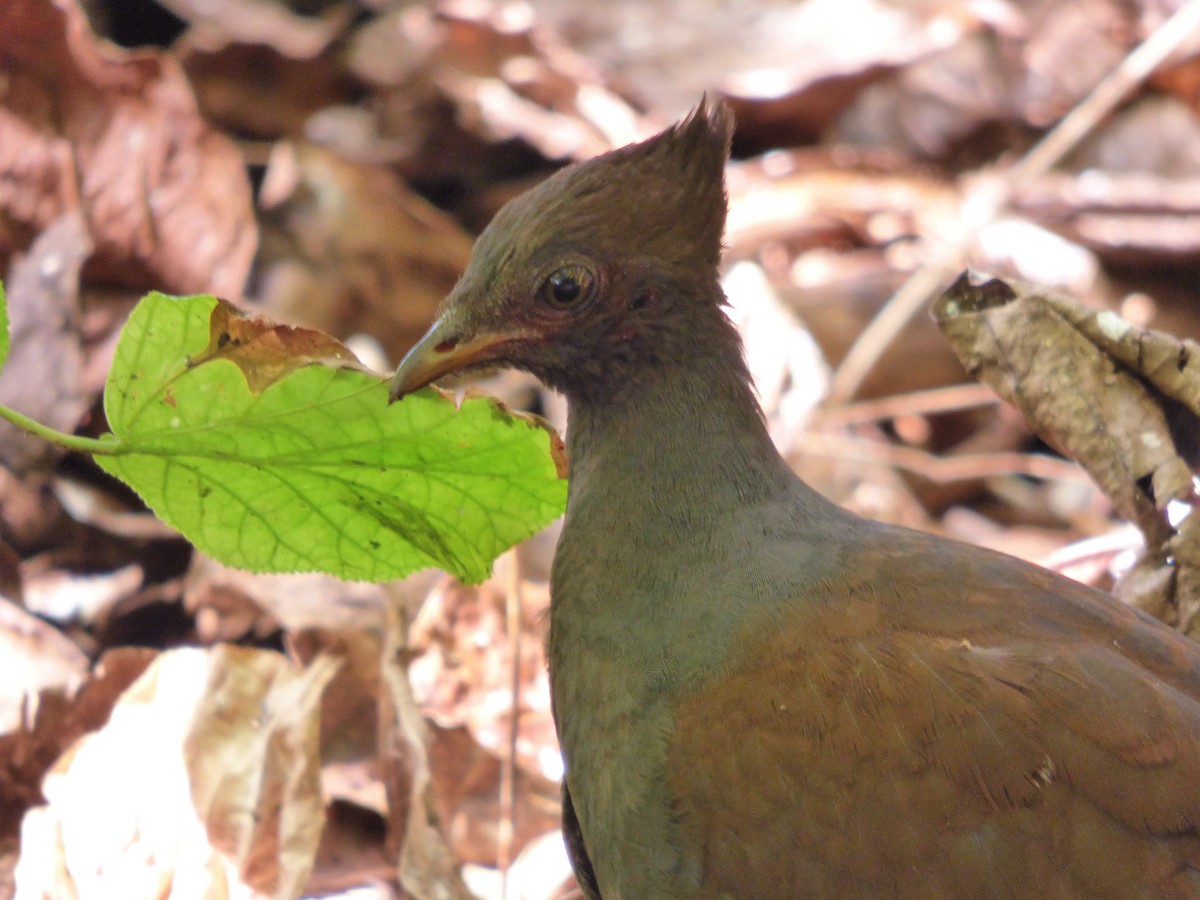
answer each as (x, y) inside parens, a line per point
(442, 351)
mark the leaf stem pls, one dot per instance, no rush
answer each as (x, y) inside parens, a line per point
(103, 446)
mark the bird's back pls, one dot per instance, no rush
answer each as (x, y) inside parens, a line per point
(941, 721)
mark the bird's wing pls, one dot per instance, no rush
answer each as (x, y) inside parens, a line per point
(916, 739)
(577, 853)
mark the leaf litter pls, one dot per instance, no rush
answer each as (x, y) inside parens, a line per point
(379, 138)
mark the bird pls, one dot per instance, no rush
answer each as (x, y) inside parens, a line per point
(757, 692)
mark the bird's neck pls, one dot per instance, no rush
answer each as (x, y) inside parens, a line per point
(676, 450)
(674, 482)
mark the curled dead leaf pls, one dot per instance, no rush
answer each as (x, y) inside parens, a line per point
(267, 351)
(252, 761)
(1119, 400)
(116, 135)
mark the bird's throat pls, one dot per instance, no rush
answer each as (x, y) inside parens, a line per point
(674, 451)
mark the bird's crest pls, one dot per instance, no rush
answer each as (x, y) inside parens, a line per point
(664, 196)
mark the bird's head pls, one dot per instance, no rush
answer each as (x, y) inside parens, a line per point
(595, 273)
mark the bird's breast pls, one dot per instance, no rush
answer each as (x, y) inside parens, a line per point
(615, 702)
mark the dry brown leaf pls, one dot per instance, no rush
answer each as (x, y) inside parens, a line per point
(830, 228)
(205, 776)
(261, 22)
(54, 718)
(253, 90)
(1026, 64)
(1065, 50)
(1170, 364)
(427, 867)
(461, 672)
(507, 74)
(1180, 77)
(33, 657)
(466, 780)
(461, 676)
(235, 602)
(354, 847)
(1079, 400)
(116, 135)
(79, 599)
(11, 584)
(350, 704)
(224, 611)
(933, 104)
(43, 373)
(834, 198)
(1185, 549)
(353, 861)
(802, 61)
(252, 760)
(267, 351)
(349, 248)
(1106, 394)
(1153, 135)
(1127, 218)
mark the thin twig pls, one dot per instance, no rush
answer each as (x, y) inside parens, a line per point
(508, 769)
(984, 205)
(944, 469)
(916, 403)
(1119, 540)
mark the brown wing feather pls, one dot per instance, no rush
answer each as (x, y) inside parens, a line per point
(1036, 740)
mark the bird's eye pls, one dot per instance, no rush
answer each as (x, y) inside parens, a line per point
(567, 287)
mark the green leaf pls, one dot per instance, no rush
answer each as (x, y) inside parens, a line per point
(5, 337)
(271, 449)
